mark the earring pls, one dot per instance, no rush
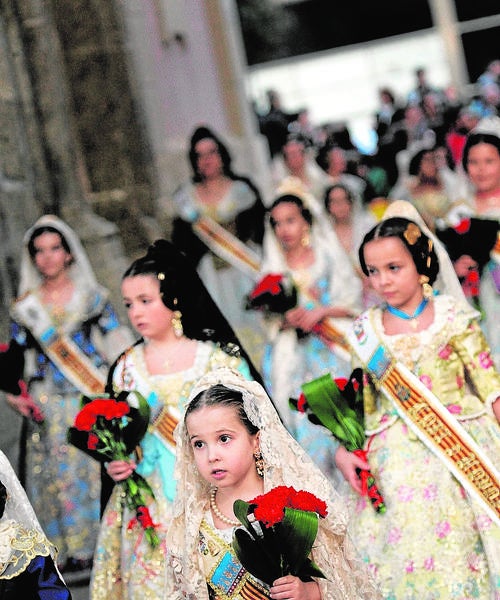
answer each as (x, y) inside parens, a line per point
(426, 286)
(176, 322)
(305, 239)
(259, 463)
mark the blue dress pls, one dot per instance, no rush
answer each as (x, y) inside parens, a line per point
(62, 483)
(292, 359)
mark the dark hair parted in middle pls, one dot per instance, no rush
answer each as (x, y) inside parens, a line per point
(182, 289)
(36, 233)
(337, 186)
(220, 395)
(291, 199)
(417, 243)
(473, 139)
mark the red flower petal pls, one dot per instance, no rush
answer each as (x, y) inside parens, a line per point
(302, 403)
(270, 283)
(341, 383)
(92, 441)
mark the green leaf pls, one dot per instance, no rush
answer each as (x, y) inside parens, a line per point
(256, 556)
(327, 402)
(311, 569)
(241, 509)
(297, 532)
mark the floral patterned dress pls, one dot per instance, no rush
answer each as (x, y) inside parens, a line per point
(125, 566)
(434, 541)
(62, 483)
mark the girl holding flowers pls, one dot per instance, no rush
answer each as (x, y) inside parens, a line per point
(183, 336)
(231, 445)
(65, 334)
(431, 405)
(299, 247)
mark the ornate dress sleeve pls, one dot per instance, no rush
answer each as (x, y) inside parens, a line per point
(475, 354)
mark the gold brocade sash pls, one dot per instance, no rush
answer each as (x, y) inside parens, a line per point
(429, 419)
(60, 349)
(227, 246)
(164, 426)
(225, 575)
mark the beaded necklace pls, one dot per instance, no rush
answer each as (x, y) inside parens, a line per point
(218, 513)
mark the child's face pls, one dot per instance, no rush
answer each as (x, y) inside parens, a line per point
(222, 446)
(393, 273)
(483, 167)
(289, 225)
(146, 311)
(50, 257)
(338, 204)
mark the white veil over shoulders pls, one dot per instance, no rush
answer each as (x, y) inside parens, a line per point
(80, 271)
(286, 463)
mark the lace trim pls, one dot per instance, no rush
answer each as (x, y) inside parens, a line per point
(18, 547)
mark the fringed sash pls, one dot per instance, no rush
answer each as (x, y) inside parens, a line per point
(60, 349)
(429, 419)
(331, 332)
(164, 426)
(227, 246)
(224, 573)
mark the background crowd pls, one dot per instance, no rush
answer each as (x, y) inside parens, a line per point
(424, 209)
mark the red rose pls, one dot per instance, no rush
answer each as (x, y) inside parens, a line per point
(144, 517)
(270, 283)
(270, 507)
(99, 407)
(306, 501)
(85, 419)
(120, 409)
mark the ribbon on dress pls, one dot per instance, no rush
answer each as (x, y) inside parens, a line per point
(61, 350)
(429, 419)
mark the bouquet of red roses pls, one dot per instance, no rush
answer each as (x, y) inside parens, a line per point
(109, 429)
(338, 406)
(279, 538)
(275, 293)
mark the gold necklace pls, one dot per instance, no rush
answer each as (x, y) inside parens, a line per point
(217, 512)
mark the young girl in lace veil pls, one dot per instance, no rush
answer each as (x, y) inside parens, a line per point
(199, 536)
(183, 336)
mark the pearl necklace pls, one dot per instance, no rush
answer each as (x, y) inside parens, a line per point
(217, 512)
(402, 315)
